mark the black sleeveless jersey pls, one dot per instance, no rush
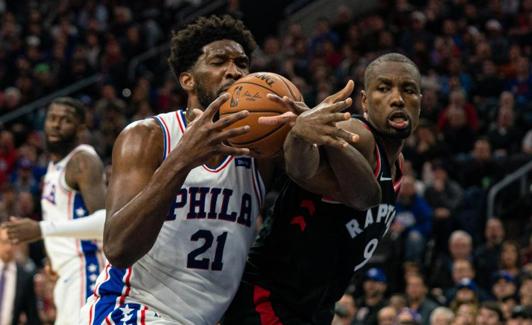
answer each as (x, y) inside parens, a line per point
(307, 253)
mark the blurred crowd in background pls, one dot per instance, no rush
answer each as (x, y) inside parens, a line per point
(475, 128)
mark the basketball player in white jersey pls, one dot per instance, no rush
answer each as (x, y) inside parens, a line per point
(73, 200)
(182, 205)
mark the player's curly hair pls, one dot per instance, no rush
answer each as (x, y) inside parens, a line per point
(187, 43)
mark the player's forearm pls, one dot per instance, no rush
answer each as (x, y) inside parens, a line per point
(131, 231)
(358, 186)
(302, 159)
(89, 227)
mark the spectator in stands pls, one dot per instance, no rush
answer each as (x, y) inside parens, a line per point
(374, 286)
(344, 310)
(504, 135)
(8, 155)
(525, 291)
(460, 248)
(466, 293)
(413, 220)
(463, 271)
(520, 316)
(387, 316)
(490, 313)
(486, 255)
(427, 147)
(456, 132)
(466, 314)
(507, 304)
(441, 316)
(480, 171)
(510, 258)
(521, 85)
(416, 294)
(408, 317)
(504, 285)
(443, 194)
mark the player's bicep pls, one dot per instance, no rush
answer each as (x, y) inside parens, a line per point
(137, 153)
(88, 172)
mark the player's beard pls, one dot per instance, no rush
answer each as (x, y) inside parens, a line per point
(392, 133)
(62, 147)
(205, 98)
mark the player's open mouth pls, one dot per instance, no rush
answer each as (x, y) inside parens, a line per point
(399, 120)
(54, 138)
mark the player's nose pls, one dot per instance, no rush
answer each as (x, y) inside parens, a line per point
(233, 71)
(397, 99)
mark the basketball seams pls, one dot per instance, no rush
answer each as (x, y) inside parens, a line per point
(289, 89)
(256, 84)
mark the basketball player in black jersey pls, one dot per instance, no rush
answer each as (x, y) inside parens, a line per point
(316, 241)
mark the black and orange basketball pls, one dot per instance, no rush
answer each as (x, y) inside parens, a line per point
(250, 93)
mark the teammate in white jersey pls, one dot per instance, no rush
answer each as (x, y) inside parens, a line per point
(72, 201)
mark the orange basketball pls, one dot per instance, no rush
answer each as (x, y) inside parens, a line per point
(249, 93)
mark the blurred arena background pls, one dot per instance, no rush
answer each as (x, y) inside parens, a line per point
(468, 165)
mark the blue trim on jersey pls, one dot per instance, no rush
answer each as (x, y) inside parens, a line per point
(164, 134)
(92, 267)
(79, 210)
(183, 118)
(109, 291)
(118, 315)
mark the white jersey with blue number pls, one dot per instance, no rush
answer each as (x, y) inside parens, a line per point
(194, 268)
(78, 262)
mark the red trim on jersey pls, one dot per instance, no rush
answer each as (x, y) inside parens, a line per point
(228, 159)
(168, 145)
(263, 306)
(180, 122)
(143, 315)
(397, 181)
(377, 170)
(128, 285)
(107, 321)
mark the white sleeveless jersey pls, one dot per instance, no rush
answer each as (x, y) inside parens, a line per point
(194, 268)
(71, 258)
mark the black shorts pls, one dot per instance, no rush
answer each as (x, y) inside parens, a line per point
(254, 305)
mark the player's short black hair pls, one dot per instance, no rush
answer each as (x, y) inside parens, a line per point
(187, 43)
(389, 57)
(77, 105)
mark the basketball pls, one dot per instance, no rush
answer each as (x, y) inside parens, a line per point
(250, 93)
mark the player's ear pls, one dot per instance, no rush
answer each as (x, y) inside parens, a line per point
(186, 80)
(364, 102)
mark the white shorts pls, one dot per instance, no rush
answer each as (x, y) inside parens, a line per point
(71, 291)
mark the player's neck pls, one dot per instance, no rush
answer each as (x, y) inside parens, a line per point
(61, 153)
(393, 148)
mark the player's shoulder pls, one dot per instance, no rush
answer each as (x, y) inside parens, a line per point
(84, 157)
(146, 130)
(366, 140)
(140, 140)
